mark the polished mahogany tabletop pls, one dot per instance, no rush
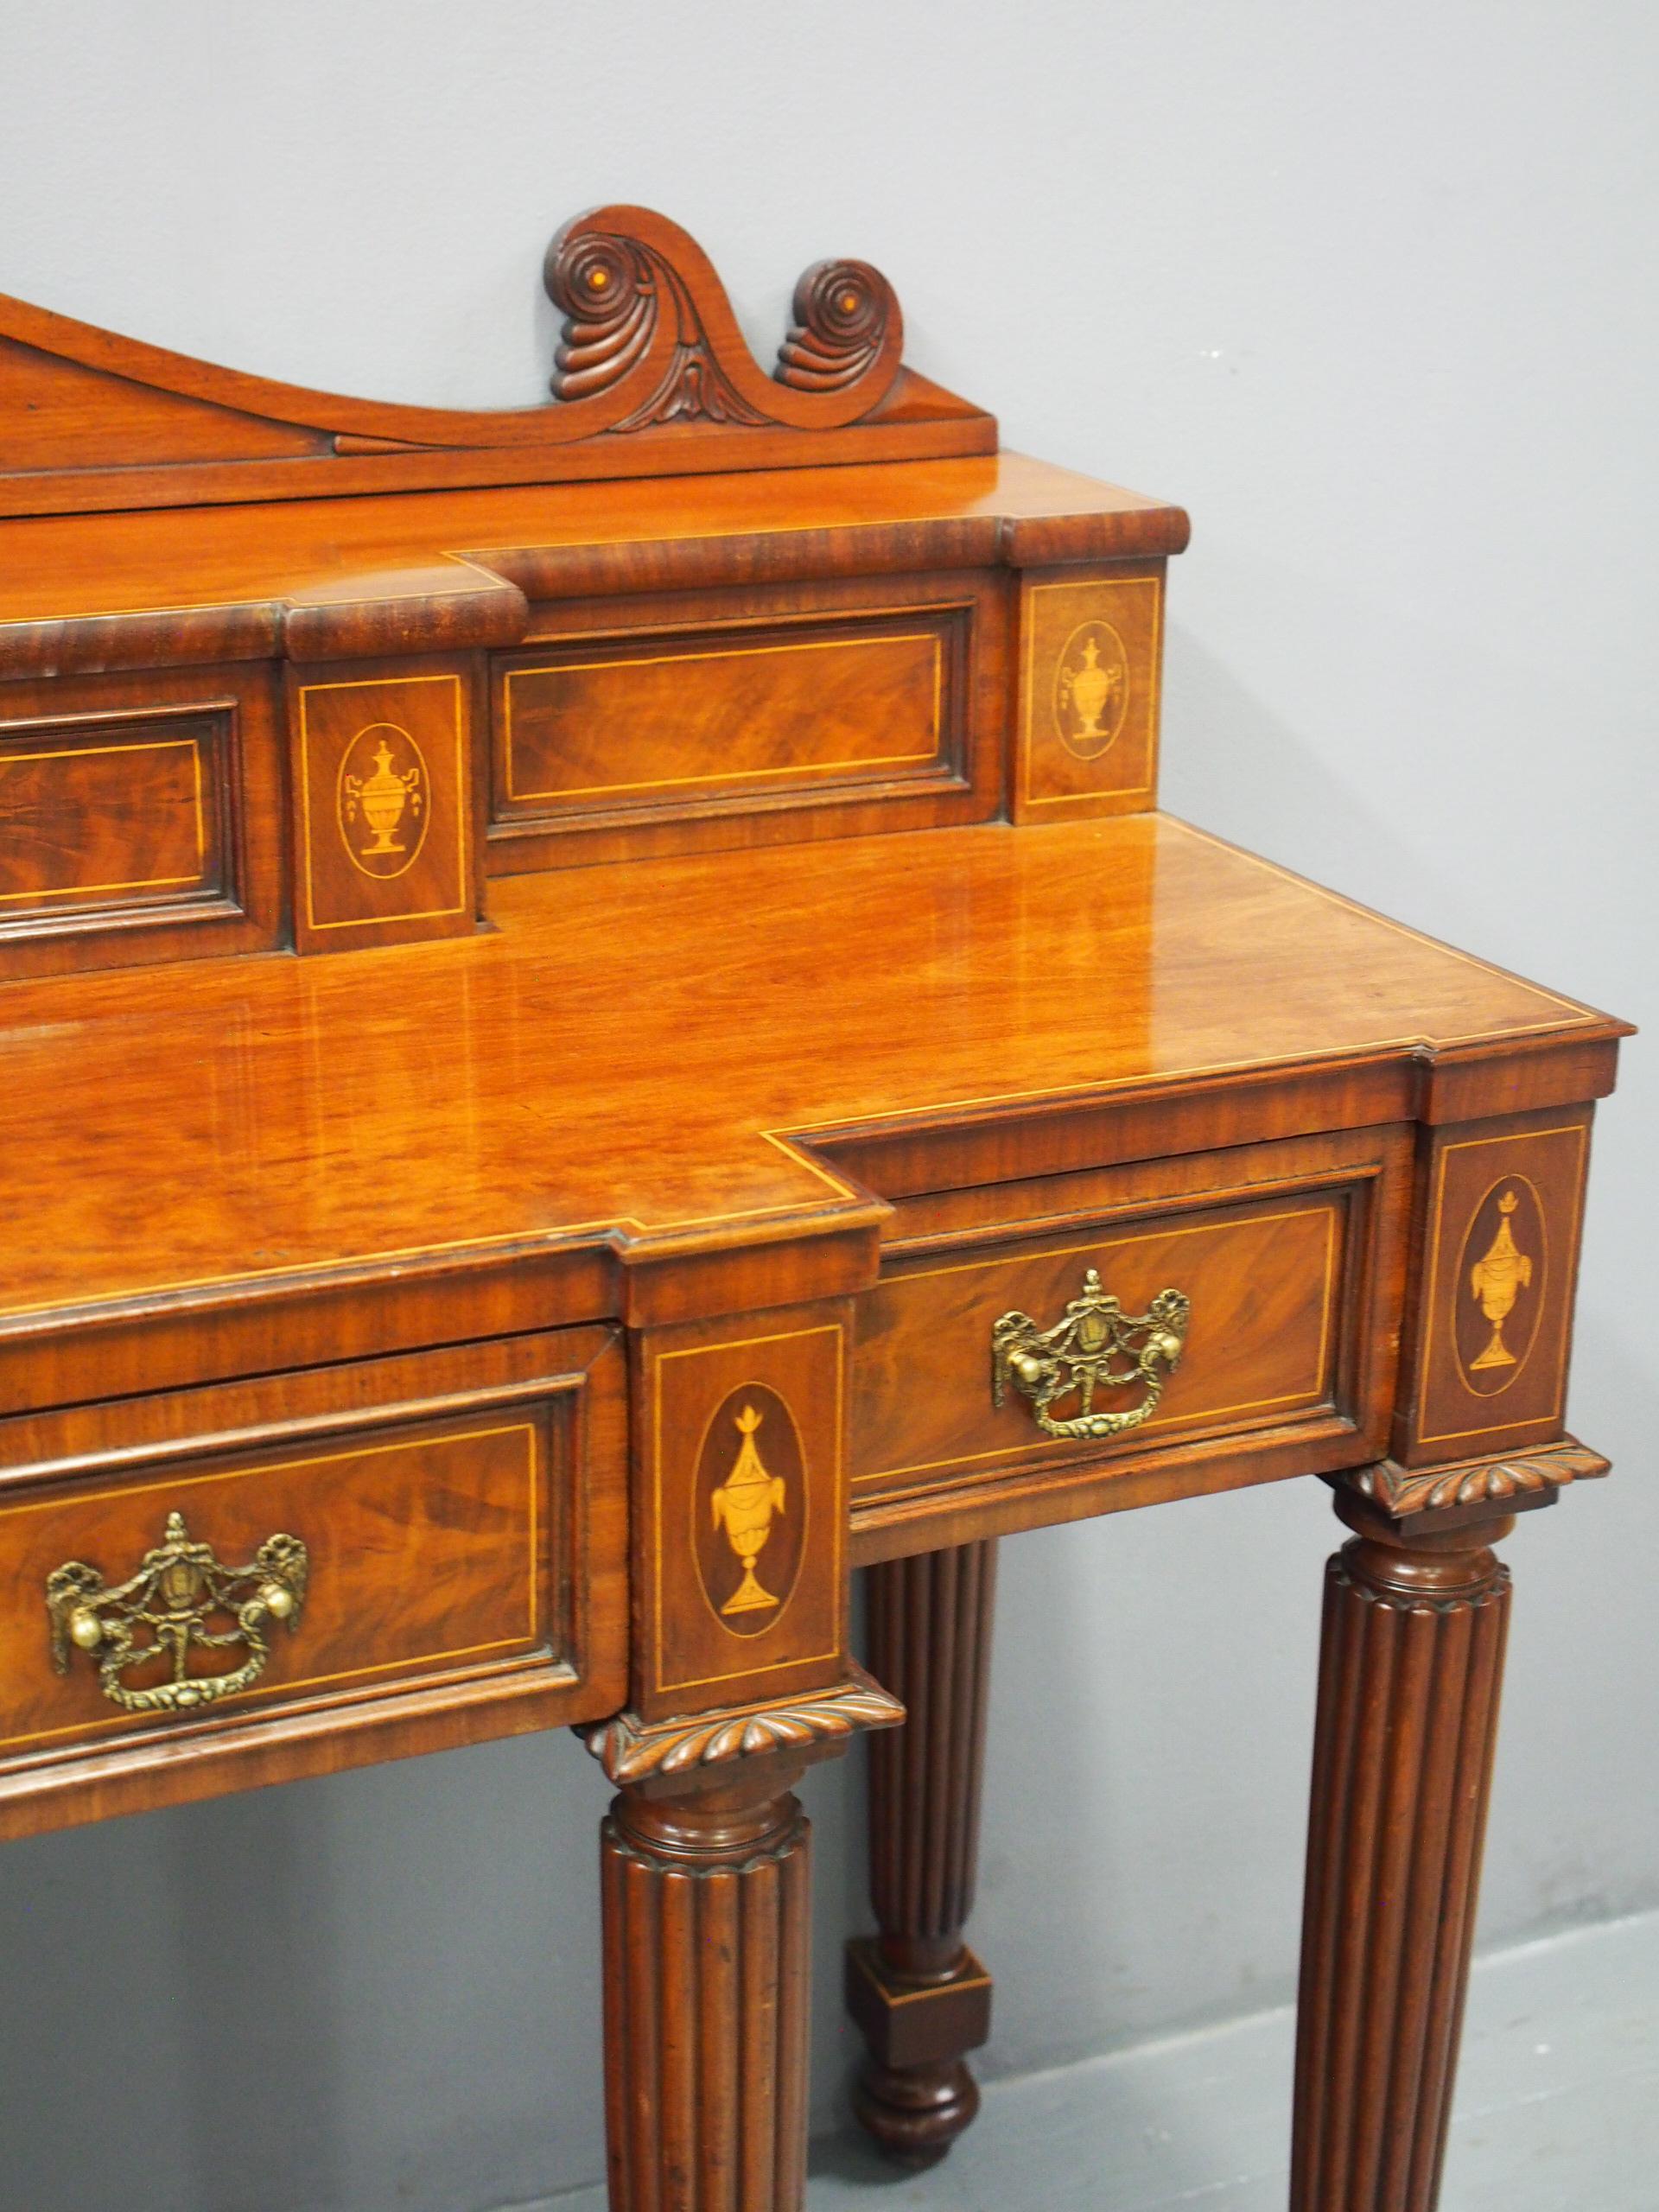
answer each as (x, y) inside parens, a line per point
(626, 1049)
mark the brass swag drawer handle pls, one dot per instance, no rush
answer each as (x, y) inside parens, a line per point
(1094, 1346)
(179, 1587)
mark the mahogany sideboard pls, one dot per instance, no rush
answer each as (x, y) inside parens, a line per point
(600, 1027)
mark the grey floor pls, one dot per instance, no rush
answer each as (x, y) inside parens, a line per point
(1557, 2110)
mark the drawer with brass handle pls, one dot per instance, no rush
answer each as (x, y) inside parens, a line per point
(1038, 1350)
(310, 1569)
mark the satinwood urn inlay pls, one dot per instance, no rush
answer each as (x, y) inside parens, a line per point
(750, 1498)
(384, 806)
(1500, 1291)
(1092, 688)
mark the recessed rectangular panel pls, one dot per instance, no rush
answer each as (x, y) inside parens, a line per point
(109, 815)
(649, 723)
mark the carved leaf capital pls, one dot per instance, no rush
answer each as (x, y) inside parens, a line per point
(630, 1749)
(1402, 1490)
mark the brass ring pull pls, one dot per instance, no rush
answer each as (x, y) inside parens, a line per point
(179, 1587)
(1078, 1355)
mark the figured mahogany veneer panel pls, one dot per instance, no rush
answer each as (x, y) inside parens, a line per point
(1090, 665)
(675, 720)
(383, 791)
(139, 819)
(636, 724)
(462, 1513)
(1289, 1255)
(124, 835)
(741, 1504)
(99, 816)
(1264, 1283)
(427, 1552)
(1500, 1259)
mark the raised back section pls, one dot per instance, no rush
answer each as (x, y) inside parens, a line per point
(652, 378)
(253, 697)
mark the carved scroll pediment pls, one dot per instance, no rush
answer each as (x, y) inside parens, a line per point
(646, 316)
(652, 376)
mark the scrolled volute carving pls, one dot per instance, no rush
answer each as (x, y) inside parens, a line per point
(632, 1749)
(609, 296)
(648, 343)
(649, 335)
(845, 312)
(625, 306)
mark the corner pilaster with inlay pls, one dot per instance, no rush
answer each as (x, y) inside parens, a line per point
(740, 1680)
(1090, 650)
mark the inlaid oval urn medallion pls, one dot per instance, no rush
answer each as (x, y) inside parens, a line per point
(1092, 688)
(384, 799)
(749, 1504)
(1501, 1282)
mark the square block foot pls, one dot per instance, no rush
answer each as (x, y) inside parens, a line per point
(916, 2023)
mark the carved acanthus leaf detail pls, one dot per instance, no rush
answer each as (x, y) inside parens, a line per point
(1402, 1490)
(693, 386)
(631, 1749)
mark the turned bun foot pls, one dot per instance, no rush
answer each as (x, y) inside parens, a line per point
(916, 2115)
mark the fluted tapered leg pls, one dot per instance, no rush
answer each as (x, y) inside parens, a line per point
(1410, 1670)
(920, 1996)
(706, 1905)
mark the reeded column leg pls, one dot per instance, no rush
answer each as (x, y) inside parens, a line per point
(707, 1960)
(918, 1993)
(1410, 1670)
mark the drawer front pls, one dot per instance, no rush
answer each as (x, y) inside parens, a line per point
(426, 1551)
(1255, 1309)
(429, 1561)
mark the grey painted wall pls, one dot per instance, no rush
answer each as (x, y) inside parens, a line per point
(1369, 288)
